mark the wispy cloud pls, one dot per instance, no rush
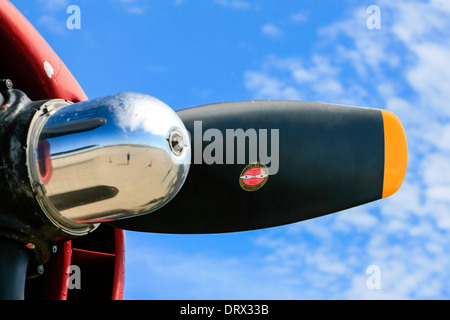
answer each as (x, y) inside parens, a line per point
(266, 86)
(52, 23)
(54, 5)
(234, 4)
(403, 68)
(299, 17)
(271, 30)
(136, 10)
(53, 16)
(181, 275)
(133, 7)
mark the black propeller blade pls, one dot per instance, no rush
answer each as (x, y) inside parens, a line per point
(258, 164)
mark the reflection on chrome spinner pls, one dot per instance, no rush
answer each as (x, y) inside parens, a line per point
(110, 158)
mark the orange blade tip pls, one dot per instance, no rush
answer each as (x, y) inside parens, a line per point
(395, 153)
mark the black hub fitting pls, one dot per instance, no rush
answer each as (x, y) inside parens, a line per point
(21, 217)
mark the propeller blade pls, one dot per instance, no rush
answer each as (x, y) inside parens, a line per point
(259, 164)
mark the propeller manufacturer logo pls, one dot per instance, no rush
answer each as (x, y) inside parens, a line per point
(236, 146)
(253, 177)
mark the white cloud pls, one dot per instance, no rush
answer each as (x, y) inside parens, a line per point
(234, 4)
(266, 86)
(292, 78)
(53, 24)
(299, 17)
(402, 67)
(175, 274)
(53, 16)
(428, 76)
(132, 7)
(136, 10)
(271, 30)
(54, 5)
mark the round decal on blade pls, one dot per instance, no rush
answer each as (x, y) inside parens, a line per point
(254, 176)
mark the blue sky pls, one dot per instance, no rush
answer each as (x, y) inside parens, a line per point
(190, 53)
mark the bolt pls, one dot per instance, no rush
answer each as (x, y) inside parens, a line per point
(176, 142)
(5, 85)
(40, 269)
(54, 249)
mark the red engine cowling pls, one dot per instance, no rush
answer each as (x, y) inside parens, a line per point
(36, 69)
